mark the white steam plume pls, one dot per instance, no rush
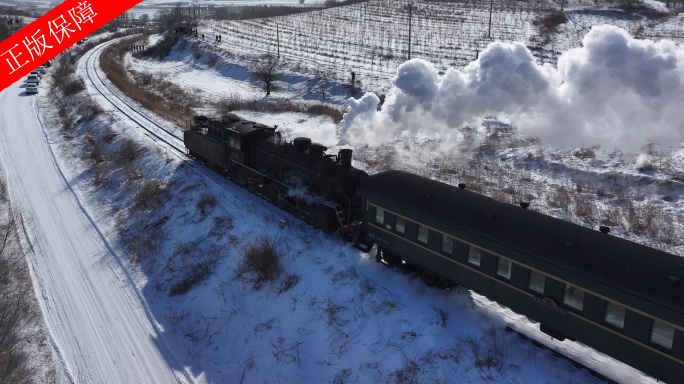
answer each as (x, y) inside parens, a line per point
(614, 91)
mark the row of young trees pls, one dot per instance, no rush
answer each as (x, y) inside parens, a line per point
(191, 14)
(11, 20)
(15, 301)
(4, 31)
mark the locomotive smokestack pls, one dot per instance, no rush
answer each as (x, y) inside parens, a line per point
(346, 157)
(301, 144)
(316, 151)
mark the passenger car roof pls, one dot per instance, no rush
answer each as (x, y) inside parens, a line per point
(604, 258)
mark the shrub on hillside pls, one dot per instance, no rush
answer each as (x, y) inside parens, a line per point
(87, 108)
(72, 86)
(327, 110)
(150, 195)
(260, 261)
(163, 47)
(127, 151)
(550, 22)
(206, 200)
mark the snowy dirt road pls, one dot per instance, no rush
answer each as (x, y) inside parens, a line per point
(100, 325)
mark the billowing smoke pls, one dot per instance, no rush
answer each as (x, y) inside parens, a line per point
(614, 91)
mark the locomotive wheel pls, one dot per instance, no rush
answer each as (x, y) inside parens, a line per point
(241, 178)
(273, 194)
(234, 173)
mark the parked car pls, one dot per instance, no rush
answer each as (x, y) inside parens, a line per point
(33, 79)
(35, 73)
(41, 70)
(31, 88)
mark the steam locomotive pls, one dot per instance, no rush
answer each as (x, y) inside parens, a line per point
(619, 297)
(297, 176)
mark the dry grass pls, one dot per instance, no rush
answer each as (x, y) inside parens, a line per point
(488, 351)
(276, 105)
(197, 263)
(585, 208)
(174, 103)
(167, 104)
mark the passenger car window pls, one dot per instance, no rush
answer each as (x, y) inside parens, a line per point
(474, 255)
(537, 281)
(503, 267)
(379, 215)
(615, 315)
(662, 334)
(422, 234)
(574, 297)
(400, 225)
(447, 244)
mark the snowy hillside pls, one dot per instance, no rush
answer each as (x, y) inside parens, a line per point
(334, 314)
(160, 270)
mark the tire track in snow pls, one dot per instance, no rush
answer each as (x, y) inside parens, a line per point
(98, 329)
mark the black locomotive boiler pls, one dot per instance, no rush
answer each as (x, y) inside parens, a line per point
(297, 176)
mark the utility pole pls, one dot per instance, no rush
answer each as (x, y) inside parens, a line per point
(278, 39)
(409, 45)
(491, 5)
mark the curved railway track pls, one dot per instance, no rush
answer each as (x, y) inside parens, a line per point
(153, 129)
(169, 137)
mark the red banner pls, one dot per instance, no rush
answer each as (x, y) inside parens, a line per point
(54, 32)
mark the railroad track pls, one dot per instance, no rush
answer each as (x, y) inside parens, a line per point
(168, 137)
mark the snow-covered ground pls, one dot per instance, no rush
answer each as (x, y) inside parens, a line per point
(99, 322)
(336, 315)
(345, 318)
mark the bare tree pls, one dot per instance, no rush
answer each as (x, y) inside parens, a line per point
(15, 295)
(266, 69)
(4, 30)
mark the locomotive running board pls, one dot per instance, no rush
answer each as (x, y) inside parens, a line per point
(363, 245)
